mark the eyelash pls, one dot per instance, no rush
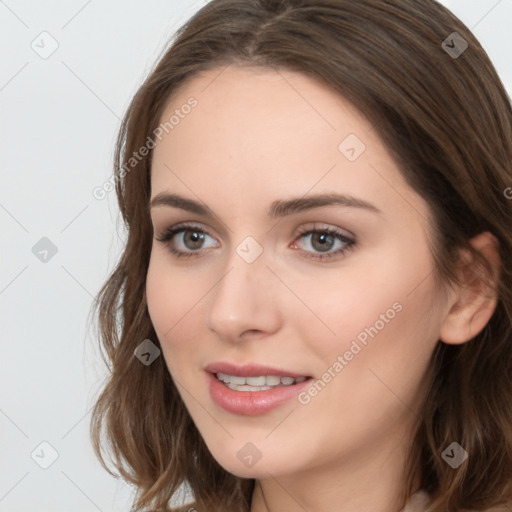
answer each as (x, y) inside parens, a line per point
(169, 233)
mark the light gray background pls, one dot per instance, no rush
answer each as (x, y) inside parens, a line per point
(59, 119)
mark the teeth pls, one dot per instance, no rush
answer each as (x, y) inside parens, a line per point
(272, 380)
(261, 383)
(239, 381)
(253, 381)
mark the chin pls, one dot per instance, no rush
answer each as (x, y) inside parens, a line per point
(248, 462)
(261, 470)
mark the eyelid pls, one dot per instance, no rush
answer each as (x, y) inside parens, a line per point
(181, 226)
(323, 226)
(170, 232)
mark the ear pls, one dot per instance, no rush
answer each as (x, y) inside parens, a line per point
(473, 302)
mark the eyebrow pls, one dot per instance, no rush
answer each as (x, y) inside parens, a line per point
(279, 208)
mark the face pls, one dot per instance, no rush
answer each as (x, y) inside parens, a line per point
(276, 277)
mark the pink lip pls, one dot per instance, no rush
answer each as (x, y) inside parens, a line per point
(251, 403)
(249, 370)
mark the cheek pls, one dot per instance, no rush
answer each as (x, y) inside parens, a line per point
(172, 305)
(380, 311)
(372, 371)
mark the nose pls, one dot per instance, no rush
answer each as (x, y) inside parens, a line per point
(244, 302)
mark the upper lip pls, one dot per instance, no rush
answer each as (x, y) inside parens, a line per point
(249, 370)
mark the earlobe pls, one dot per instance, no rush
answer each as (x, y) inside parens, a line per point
(473, 302)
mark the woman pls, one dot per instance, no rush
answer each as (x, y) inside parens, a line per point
(315, 295)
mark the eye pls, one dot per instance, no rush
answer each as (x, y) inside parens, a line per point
(188, 237)
(186, 240)
(324, 239)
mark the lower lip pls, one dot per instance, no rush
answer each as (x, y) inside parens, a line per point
(252, 403)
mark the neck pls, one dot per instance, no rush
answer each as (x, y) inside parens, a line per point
(374, 482)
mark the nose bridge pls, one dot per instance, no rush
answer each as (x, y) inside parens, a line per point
(240, 300)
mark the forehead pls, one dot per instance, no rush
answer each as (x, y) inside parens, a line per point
(274, 133)
(234, 101)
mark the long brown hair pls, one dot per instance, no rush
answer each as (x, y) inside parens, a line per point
(446, 120)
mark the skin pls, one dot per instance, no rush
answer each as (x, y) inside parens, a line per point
(257, 136)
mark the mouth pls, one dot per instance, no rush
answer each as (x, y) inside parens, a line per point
(250, 389)
(258, 383)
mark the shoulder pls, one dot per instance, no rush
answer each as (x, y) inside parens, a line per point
(420, 500)
(502, 508)
(191, 507)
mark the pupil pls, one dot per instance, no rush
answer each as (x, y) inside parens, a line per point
(196, 239)
(322, 239)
